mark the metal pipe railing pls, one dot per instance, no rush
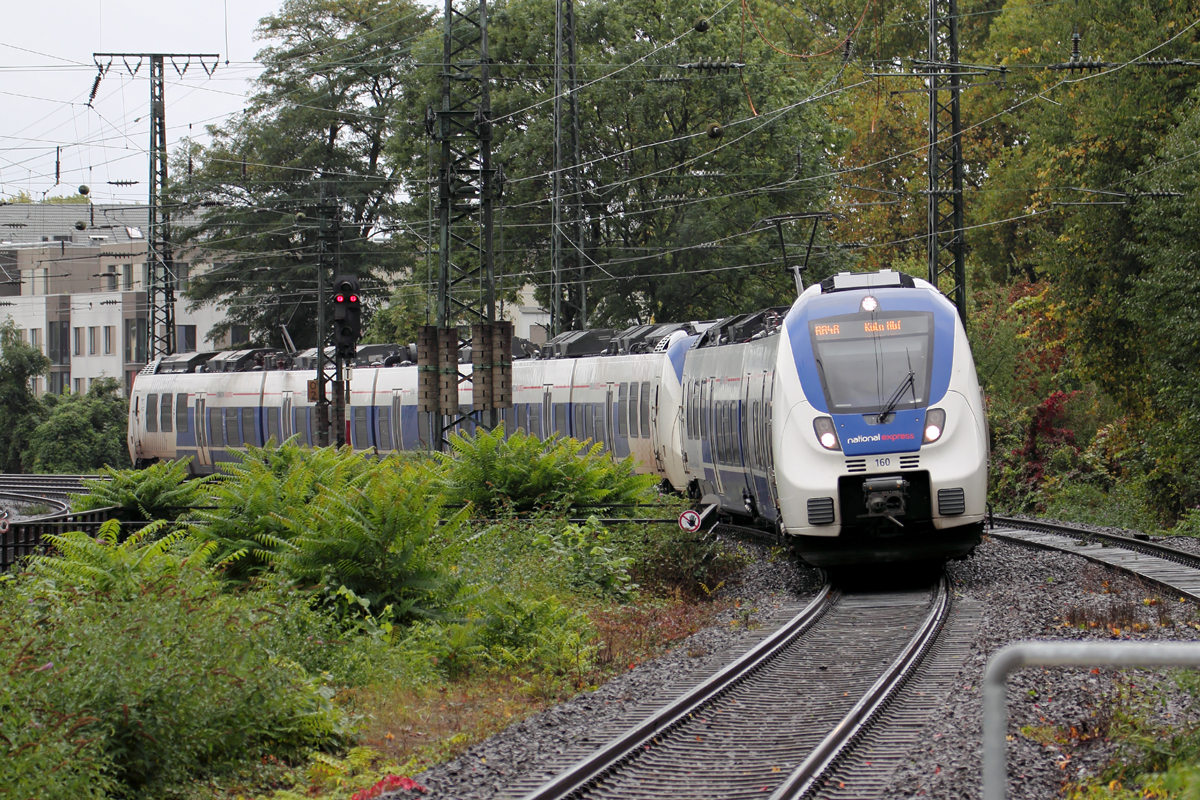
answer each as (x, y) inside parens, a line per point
(1058, 654)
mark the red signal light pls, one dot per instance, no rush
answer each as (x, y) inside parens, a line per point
(339, 299)
(353, 298)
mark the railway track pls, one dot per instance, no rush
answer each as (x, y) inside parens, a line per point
(44, 486)
(783, 719)
(1172, 569)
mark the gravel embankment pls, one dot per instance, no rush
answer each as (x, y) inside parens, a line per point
(1026, 594)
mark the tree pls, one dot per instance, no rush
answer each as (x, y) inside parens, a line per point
(20, 410)
(323, 111)
(671, 211)
(82, 432)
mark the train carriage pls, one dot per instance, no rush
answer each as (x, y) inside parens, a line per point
(850, 424)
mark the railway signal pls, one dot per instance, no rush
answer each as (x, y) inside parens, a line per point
(347, 315)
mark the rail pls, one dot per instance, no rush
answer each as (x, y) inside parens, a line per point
(803, 780)
(578, 777)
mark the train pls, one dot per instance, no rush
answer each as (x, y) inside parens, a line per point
(850, 426)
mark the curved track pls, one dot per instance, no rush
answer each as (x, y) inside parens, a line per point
(1174, 570)
(781, 717)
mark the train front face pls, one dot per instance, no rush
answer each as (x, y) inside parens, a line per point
(883, 452)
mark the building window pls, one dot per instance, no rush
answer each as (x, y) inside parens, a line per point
(110, 280)
(77, 341)
(59, 382)
(127, 277)
(58, 343)
(93, 332)
(79, 386)
(146, 275)
(182, 274)
(185, 338)
(135, 341)
(35, 338)
(109, 331)
(239, 335)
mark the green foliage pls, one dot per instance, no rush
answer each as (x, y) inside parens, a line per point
(118, 570)
(592, 563)
(370, 544)
(160, 491)
(505, 631)
(168, 684)
(20, 411)
(524, 473)
(263, 489)
(82, 432)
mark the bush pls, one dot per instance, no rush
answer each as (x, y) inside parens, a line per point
(170, 682)
(508, 632)
(369, 546)
(161, 491)
(523, 473)
(592, 565)
(81, 432)
(256, 495)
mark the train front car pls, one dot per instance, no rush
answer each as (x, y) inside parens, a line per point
(882, 454)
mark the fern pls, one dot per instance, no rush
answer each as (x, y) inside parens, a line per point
(161, 491)
(375, 536)
(524, 473)
(262, 489)
(121, 569)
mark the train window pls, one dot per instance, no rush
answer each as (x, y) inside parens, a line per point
(249, 434)
(385, 429)
(623, 410)
(232, 437)
(522, 417)
(598, 424)
(704, 409)
(535, 420)
(152, 413)
(216, 431)
(633, 411)
(560, 419)
(272, 415)
(510, 421)
(645, 411)
(165, 417)
(719, 431)
(361, 438)
(181, 411)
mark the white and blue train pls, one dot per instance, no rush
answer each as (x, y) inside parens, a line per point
(851, 425)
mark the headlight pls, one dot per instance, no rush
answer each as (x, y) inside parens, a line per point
(935, 423)
(826, 435)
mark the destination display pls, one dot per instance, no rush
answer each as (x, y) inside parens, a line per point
(866, 327)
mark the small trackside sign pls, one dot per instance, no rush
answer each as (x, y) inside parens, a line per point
(690, 521)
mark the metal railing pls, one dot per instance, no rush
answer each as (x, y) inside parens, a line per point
(1057, 654)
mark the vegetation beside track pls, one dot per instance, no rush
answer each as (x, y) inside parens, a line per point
(323, 620)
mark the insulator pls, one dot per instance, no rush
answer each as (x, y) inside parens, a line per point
(714, 130)
(1075, 44)
(95, 88)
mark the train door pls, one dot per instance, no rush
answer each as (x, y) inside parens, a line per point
(655, 433)
(768, 392)
(398, 442)
(713, 422)
(547, 411)
(203, 456)
(286, 429)
(745, 436)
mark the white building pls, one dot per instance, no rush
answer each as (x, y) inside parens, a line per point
(73, 279)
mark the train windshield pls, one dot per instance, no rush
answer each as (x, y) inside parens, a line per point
(871, 362)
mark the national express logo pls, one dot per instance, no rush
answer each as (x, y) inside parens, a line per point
(882, 437)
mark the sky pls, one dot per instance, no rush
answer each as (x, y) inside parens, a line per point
(47, 71)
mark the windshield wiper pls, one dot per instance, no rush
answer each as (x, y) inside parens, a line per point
(907, 383)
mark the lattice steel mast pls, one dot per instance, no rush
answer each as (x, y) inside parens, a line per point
(946, 250)
(160, 293)
(566, 239)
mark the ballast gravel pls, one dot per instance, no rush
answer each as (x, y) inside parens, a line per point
(1025, 594)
